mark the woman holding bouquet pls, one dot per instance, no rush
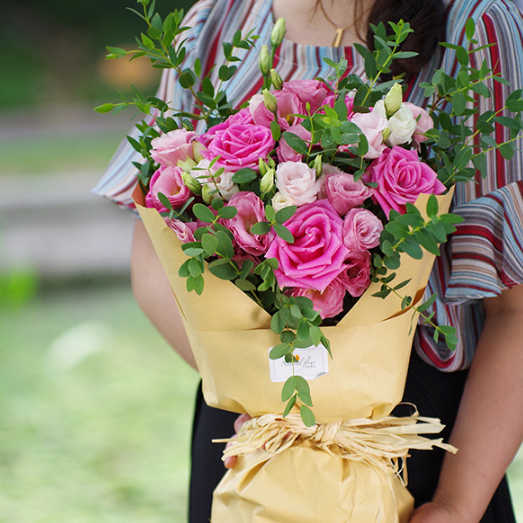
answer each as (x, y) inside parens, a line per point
(477, 277)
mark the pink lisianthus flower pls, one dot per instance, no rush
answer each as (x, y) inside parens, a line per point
(240, 146)
(243, 117)
(423, 122)
(172, 147)
(328, 303)
(344, 192)
(372, 126)
(313, 92)
(288, 104)
(250, 211)
(401, 177)
(361, 230)
(297, 182)
(168, 181)
(356, 275)
(285, 152)
(184, 230)
(317, 255)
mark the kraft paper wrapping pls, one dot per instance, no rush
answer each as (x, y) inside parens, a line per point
(230, 336)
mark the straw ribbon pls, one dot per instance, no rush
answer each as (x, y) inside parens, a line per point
(383, 443)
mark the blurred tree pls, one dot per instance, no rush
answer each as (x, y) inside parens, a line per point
(51, 49)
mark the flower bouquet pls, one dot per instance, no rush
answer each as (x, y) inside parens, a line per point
(298, 234)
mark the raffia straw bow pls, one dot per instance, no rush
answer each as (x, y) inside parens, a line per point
(383, 443)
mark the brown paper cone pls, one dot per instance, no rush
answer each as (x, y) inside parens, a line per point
(230, 336)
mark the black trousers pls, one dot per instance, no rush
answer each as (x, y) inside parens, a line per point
(436, 394)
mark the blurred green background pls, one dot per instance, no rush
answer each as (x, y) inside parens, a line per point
(95, 408)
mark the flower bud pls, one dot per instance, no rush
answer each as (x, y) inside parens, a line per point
(206, 194)
(262, 166)
(265, 61)
(270, 101)
(317, 164)
(278, 32)
(393, 99)
(186, 165)
(267, 182)
(192, 183)
(386, 133)
(277, 82)
(197, 149)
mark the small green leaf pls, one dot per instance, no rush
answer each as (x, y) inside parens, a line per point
(289, 406)
(283, 233)
(244, 175)
(425, 305)
(432, 206)
(203, 213)
(223, 269)
(284, 214)
(278, 352)
(227, 212)
(307, 416)
(261, 228)
(104, 108)
(296, 143)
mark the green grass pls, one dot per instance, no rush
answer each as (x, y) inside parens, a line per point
(96, 413)
(58, 153)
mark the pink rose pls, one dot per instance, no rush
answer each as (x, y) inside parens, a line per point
(372, 126)
(250, 211)
(308, 91)
(243, 117)
(168, 181)
(423, 124)
(285, 152)
(288, 104)
(317, 255)
(184, 230)
(328, 303)
(356, 276)
(297, 182)
(240, 146)
(344, 193)
(173, 146)
(361, 230)
(401, 178)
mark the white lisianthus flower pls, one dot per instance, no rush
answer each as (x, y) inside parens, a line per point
(402, 126)
(280, 202)
(380, 107)
(223, 182)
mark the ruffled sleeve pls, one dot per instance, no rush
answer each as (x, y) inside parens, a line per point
(486, 250)
(485, 255)
(119, 179)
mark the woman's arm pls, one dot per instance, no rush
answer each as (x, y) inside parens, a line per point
(489, 427)
(153, 293)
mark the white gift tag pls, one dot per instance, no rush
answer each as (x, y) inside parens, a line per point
(312, 363)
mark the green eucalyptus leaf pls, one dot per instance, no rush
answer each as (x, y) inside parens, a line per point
(283, 233)
(307, 416)
(289, 406)
(203, 213)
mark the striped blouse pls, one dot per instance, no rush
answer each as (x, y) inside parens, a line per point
(485, 255)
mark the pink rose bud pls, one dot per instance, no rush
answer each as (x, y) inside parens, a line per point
(361, 230)
(344, 192)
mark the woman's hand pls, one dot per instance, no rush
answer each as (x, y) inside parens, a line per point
(433, 513)
(238, 424)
